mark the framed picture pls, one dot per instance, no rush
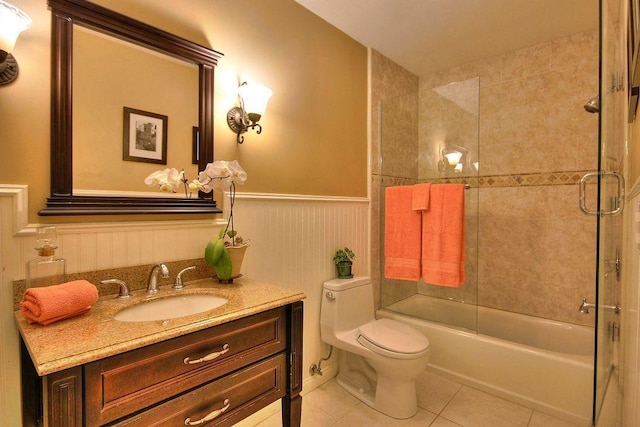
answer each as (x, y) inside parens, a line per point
(633, 51)
(144, 137)
(195, 145)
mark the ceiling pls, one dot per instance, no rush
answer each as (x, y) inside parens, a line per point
(425, 36)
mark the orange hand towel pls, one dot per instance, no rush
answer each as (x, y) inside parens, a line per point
(402, 227)
(443, 236)
(420, 197)
(52, 303)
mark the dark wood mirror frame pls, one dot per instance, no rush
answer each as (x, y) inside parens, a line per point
(67, 13)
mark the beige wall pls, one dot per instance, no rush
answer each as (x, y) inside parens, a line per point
(535, 249)
(314, 139)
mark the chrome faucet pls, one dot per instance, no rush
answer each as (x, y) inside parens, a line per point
(178, 283)
(152, 283)
(585, 306)
(123, 289)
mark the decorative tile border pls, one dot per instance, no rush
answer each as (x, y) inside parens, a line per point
(496, 181)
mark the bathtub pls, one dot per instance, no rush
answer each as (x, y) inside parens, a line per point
(542, 364)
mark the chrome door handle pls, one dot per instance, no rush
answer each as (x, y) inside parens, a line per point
(619, 198)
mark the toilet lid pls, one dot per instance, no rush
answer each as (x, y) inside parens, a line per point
(390, 336)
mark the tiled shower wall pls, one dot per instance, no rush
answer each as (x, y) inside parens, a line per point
(535, 249)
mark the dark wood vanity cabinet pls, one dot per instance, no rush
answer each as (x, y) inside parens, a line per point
(216, 376)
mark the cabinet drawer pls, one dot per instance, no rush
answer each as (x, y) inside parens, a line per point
(226, 400)
(135, 380)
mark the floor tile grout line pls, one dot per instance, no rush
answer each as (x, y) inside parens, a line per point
(451, 399)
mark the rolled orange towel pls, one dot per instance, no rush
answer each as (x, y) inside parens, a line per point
(52, 303)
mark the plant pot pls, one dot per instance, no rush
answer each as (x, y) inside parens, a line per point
(344, 269)
(236, 254)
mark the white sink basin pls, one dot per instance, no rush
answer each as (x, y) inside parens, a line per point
(170, 308)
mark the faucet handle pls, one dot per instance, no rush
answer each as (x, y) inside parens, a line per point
(178, 283)
(123, 291)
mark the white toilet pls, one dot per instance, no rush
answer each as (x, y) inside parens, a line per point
(380, 359)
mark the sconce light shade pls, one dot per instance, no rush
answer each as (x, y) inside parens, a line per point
(453, 157)
(255, 98)
(12, 22)
(253, 103)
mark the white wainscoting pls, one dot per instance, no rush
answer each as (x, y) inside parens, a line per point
(293, 239)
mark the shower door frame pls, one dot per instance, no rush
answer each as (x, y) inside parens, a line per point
(610, 199)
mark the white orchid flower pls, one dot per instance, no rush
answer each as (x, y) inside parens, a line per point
(219, 175)
(168, 179)
(195, 186)
(238, 175)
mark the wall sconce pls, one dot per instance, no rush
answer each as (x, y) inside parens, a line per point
(12, 22)
(253, 103)
(452, 159)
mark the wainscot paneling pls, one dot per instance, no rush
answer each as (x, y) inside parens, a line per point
(293, 239)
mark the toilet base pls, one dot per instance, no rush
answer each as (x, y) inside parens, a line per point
(395, 398)
(390, 396)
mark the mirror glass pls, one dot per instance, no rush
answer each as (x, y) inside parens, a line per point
(109, 75)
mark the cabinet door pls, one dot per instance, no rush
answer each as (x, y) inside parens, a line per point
(64, 403)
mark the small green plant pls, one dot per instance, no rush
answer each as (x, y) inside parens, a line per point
(343, 255)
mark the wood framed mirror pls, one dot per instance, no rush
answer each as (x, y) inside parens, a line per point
(69, 16)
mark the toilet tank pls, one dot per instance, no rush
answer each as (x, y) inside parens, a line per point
(346, 304)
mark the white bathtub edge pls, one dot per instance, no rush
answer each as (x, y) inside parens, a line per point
(487, 370)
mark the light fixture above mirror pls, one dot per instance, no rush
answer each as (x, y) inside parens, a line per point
(253, 103)
(13, 21)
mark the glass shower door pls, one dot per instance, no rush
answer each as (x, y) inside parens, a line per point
(612, 124)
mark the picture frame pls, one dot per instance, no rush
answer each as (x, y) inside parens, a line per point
(144, 136)
(633, 52)
(195, 145)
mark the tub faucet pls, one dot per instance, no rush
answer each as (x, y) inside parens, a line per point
(585, 306)
(152, 283)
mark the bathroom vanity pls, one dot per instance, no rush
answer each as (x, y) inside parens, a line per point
(212, 368)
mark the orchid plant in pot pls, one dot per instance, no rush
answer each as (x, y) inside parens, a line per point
(226, 252)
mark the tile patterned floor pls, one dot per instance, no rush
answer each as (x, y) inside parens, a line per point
(442, 403)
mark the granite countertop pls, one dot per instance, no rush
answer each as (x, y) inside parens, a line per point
(97, 334)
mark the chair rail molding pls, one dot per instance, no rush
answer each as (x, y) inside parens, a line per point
(20, 202)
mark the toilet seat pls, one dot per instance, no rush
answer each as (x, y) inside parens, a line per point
(393, 339)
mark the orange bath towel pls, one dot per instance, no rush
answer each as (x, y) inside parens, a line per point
(402, 232)
(443, 236)
(420, 197)
(52, 303)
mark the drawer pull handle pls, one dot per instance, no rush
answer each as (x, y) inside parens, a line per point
(208, 357)
(209, 416)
